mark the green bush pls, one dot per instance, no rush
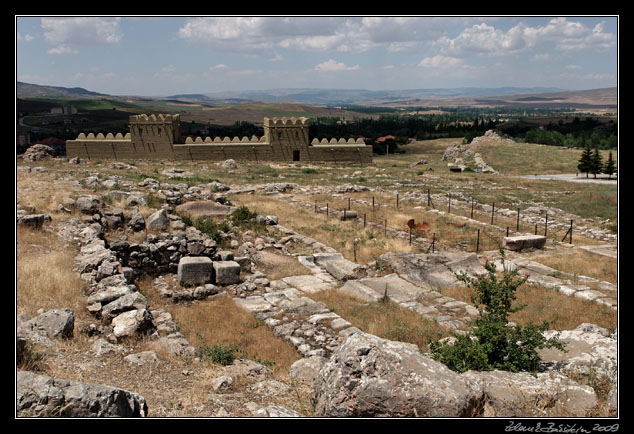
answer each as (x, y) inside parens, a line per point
(493, 342)
(218, 354)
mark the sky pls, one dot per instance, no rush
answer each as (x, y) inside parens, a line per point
(168, 55)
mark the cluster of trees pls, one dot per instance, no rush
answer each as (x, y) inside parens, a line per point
(592, 162)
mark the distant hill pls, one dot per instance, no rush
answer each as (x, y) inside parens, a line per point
(26, 90)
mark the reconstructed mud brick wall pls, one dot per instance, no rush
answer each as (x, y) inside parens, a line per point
(156, 137)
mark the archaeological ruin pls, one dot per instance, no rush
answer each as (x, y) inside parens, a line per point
(157, 137)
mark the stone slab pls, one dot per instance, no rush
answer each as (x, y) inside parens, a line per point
(194, 270)
(522, 242)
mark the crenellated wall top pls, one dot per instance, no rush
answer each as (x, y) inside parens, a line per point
(286, 122)
(226, 140)
(317, 142)
(100, 136)
(155, 118)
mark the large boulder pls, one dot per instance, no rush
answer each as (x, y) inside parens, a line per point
(522, 242)
(367, 376)
(203, 209)
(524, 394)
(56, 323)
(158, 221)
(42, 396)
(195, 270)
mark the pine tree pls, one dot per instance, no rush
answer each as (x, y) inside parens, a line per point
(609, 167)
(596, 166)
(585, 162)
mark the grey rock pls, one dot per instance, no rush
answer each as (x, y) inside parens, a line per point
(195, 270)
(43, 396)
(56, 323)
(363, 373)
(158, 220)
(226, 272)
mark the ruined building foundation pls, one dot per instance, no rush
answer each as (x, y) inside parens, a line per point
(156, 137)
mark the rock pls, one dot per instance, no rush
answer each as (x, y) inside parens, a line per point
(43, 396)
(367, 376)
(201, 209)
(276, 411)
(142, 358)
(338, 266)
(590, 350)
(522, 242)
(158, 221)
(226, 272)
(307, 369)
(34, 221)
(114, 218)
(195, 270)
(522, 394)
(132, 301)
(434, 270)
(133, 322)
(56, 323)
(229, 164)
(88, 204)
(38, 152)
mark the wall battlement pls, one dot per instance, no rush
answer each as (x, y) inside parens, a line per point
(158, 137)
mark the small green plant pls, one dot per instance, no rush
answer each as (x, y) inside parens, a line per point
(494, 343)
(218, 354)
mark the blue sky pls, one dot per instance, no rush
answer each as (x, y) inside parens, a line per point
(166, 55)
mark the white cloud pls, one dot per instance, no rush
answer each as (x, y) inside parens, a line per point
(82, 30)
(563, 34)
(261, 35)
(62, 49)
(439, 61)
(26, 38)
(334, 66)
(218, 67)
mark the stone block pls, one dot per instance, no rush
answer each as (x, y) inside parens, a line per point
(226, 272)
(195, 270)
(524, 242)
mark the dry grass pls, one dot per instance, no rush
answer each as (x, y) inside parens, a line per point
(542, 304)
(44, 274)
(221, 322)
(385, 319)
(580, 263)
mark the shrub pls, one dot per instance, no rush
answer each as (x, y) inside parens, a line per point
(218, 354)
(493, 342)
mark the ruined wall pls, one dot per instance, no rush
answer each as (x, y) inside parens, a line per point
(155, 138)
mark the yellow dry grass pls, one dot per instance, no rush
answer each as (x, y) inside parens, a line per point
(385, 319)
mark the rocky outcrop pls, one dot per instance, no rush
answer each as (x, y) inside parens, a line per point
(43, 396)
(434, 270)
(372, 377)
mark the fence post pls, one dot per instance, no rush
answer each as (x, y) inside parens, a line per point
(385, 228)
(396, 200)
(326, 210)
(478, 242)
(428, 198)
(372, 203)
(546, 225)
(518, 220)
(348, 203)
(449, 210)
(492, 212)
(472, 200)
(570, 231)
(507, 231)
(315, 207)
(410, 236)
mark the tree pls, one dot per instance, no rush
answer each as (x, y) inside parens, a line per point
(596, 165)
(494, 343)
(610, 166)
(585, 161)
